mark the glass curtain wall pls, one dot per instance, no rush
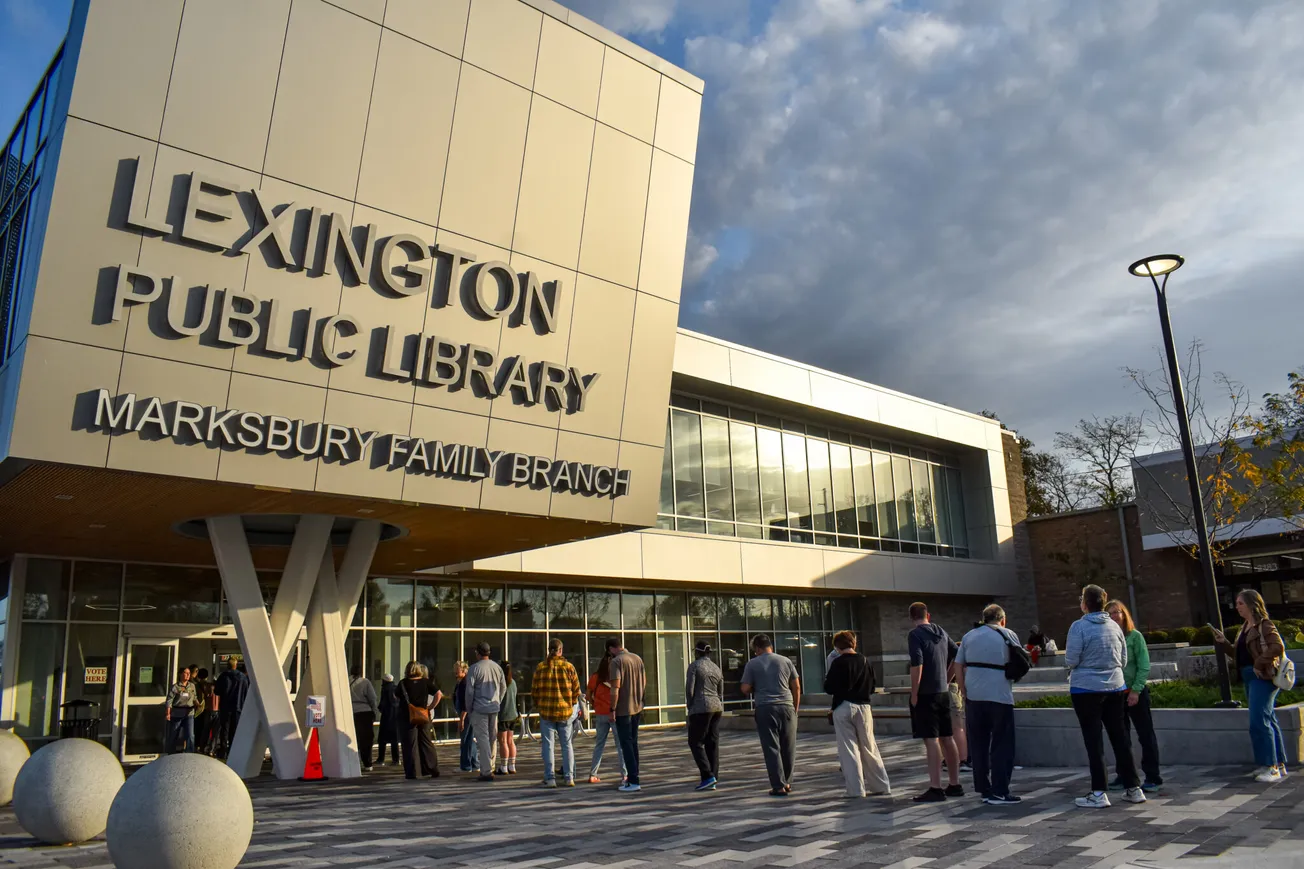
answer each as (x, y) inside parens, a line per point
(743, 474)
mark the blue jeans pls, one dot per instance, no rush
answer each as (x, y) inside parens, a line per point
(181, 729)
(627, 739)
(604, 725)
(467, 760)
(560, 731)
(1265, 733)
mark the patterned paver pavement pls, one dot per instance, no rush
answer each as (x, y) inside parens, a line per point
(455, 821)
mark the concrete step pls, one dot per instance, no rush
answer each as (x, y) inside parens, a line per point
(1045, 675)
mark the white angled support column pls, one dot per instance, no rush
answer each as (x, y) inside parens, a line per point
(311, 542)
(260, 647)
(329, 676)
(352, 579)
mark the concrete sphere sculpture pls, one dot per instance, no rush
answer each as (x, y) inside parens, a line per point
(63, 792)
(13, 754)
(153, 820)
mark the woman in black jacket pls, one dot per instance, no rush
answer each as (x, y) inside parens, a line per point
(850, 682)
(390, 709)
(419, 695)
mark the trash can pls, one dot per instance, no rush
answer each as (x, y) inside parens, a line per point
(79, 719)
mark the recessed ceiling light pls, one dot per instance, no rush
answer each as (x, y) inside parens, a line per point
(365, 510)
(63, 497)
(418, 549)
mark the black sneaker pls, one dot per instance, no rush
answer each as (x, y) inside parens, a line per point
(966, 766)
(932, 795)
(1007, 800)
(954, 790)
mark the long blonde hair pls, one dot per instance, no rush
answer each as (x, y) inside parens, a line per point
(1254, 601)
(1128, 624)
(414, 670)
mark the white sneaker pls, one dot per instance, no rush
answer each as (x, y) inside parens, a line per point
(629, 788)
(1134, 795)
(1268, 775)
(549, 783)
(1282, 771)
(1093, 800)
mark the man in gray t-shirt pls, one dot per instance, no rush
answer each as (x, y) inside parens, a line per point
(772, 682)
(989, 705)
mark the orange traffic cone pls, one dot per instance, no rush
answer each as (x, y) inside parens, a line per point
(312, 765)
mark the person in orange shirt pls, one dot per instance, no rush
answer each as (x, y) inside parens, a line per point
(600, 696)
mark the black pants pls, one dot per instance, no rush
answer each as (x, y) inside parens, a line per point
(627, 738)
(1105, 708)
(204, 730)
(416, 742)
(1139, 716)
(990, 728)
(776, 725)
(227, 722)
(389, 737)
(362, 727)
(704, 742)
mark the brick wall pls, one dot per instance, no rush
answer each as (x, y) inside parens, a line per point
(1070, 550)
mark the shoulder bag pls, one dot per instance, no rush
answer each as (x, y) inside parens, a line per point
(1284, 678)
(416, 714)
(1017, 664)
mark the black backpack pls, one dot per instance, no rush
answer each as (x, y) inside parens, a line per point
(1018, 665)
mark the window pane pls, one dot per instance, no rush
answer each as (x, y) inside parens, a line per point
(438, 650)
(604, 609)
(638, 609)
(844, 496)
(769, 453)
(809, 618)
(732, 657)
(940, 504)
(389, 603)
(482, 606)
(955, 500)
(40, 667)
(701, 612)
(96, 589)
(93, 646)
(785, 614)
(670, 612)
(668, 475)
(390, 652)
(566, 608)
(715, 466)
(760, 616)
(673, 666)
(45, 593)
(812, 664)
(905, 498)
(841, 614)
(645, 646)
(883, 498)
(687, 434)
(471, 639)
(525, 608)
(821, 485)
(162, 593)
(525, 649)
(788, 644)
(794, 474)
(733, 613)
(439, 604)
(746, 478)
(923, 483)
(866, 513)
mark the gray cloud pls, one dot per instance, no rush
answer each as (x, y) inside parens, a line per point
(942, 197)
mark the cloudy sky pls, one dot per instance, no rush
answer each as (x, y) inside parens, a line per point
(942, 196)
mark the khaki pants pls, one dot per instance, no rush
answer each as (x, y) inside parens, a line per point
(862, 766)
(484, 726)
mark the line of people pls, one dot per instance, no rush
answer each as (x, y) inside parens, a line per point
(202, 714)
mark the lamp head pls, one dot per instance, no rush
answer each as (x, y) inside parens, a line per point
(1155, 266)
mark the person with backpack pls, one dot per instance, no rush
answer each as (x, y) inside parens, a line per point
(990, 660)
(850, 684)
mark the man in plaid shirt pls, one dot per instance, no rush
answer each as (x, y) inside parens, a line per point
(556, 690)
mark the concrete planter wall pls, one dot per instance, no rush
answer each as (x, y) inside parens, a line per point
(1051, 737)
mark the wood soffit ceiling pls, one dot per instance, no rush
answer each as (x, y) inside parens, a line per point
(122, 515)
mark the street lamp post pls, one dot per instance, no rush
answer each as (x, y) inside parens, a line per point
(1155, 267)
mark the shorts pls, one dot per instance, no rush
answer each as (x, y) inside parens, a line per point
(957, 702)
(508, 726)
(930, 718)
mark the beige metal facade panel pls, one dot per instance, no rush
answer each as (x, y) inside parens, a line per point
(408, 126)
(372, 10)
(517, 437)
(59, 374)
(782, 566)
(706, 360)
(555, 177)
(263, 468)
(615, 206)
(600, 451)
(149, 377)
(238, 44)
(665, 232)
(569, 70)
(651, 353)
(842, 396)
(322, 98)
(368, 477)
(533, 348)
(644, 462)
(602, 329)
(502, 36)
(431, 423)
(860, 571)
(693, 559)
(440, 24)
(485, 157)
(756, 373)
(628, 100)
(617, 555)
(678, 114)
(124, 64)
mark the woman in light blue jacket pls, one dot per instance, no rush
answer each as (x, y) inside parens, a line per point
(1096, 653)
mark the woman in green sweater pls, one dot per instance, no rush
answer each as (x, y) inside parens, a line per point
(1135, 673)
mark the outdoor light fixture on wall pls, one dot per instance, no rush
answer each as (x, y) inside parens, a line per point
(1155, 267)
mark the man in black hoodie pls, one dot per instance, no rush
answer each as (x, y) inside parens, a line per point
(931, 654)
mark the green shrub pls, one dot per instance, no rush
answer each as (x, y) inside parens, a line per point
(1203, 636)
(1175, 694)
(1156, 636)
(1233, 631)
(1181, 635)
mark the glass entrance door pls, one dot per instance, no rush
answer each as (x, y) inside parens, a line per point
(150, 668)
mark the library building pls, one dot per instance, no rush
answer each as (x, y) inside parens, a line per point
(343, 334)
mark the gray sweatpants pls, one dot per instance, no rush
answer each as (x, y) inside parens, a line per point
(484, 726)
(776, 725)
